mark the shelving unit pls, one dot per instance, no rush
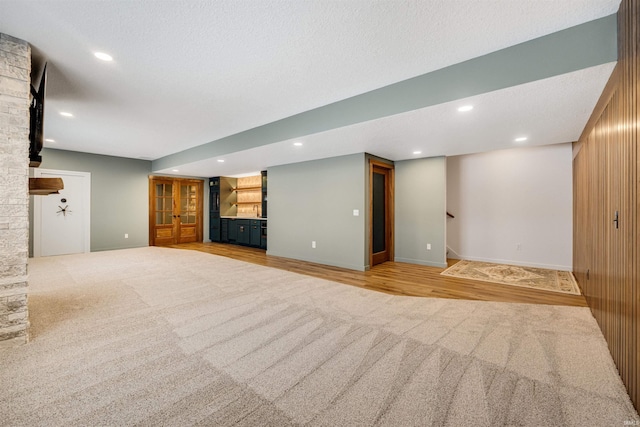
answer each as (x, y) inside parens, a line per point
(247, 188)
(248, 191)
(233, 218)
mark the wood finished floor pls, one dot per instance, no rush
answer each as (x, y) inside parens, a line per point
(395, 278)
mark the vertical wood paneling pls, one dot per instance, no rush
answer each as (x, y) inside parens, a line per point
(636, 279)
(633, 279)
(606, 180)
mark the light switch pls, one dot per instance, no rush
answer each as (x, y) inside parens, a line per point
(356, 212)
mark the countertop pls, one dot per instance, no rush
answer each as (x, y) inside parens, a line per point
(244, 217)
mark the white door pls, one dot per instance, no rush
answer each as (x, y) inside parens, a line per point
(61, 221)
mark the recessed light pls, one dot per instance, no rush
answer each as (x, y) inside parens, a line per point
(103, 56)
(175, 170)
(64, 113)
(220, 160)
(417, 152)
(298, 144)
(521, 139)
(465, 108)
(50, 140)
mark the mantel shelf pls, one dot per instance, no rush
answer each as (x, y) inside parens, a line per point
(247, 203)
(45, 186)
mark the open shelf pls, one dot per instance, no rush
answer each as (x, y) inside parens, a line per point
(247, 188)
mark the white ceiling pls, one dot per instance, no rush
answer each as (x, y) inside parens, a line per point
(187, 72)
(563, 105)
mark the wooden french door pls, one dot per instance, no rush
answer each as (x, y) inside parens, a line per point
(380, 212)
(175, 210)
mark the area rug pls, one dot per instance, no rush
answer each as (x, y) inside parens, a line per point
(513, 275)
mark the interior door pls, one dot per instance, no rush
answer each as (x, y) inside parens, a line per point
(190, 210)
(380, 212)
(175, 211)
(61, 221)
(162, 217)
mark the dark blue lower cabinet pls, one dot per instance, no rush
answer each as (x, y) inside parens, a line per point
(232, 230)
(214, 230)
(263, 235)
(244, 232)
(248, 232)
(255, 233)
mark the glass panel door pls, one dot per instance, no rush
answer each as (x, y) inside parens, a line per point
(164, 204)
(175, 211)
(188, 204)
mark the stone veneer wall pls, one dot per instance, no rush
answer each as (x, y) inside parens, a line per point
(15, 70)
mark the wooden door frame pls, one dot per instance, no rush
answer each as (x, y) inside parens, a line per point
(176, 181)
(389, 208)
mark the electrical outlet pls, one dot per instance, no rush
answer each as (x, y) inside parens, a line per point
(428, 246)
(126, 235)
(313, 244)
(356, 212)
(519, 247)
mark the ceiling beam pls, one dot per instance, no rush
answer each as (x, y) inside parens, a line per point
(586, 45)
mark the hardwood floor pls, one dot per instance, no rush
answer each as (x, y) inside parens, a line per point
(395, 278)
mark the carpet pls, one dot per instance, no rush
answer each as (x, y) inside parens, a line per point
(513, 275)
(168, 337)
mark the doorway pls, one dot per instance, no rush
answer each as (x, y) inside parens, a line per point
(62, 222)
(175, 210)
(381, 189)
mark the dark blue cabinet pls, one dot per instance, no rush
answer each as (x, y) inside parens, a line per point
(244, 231)
(254, 239)
(224, 230)
(264, 193)
(214, 229)
(232, 230)
(215, 234)
(263, 234)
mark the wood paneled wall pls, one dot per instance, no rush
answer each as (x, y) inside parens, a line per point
(606, 174)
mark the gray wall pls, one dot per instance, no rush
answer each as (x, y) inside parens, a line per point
(420, 211)
(119, 196)
(314, 201)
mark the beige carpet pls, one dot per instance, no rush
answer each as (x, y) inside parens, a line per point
(166, 337)
(513, 275)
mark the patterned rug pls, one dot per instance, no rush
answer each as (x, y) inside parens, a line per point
(528, 277)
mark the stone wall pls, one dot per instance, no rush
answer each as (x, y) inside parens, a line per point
(15, 70)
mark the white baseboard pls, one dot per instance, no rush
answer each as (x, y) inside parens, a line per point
(318, 261)
(420, 262)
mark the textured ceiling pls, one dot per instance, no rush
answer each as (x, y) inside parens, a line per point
(187, 72)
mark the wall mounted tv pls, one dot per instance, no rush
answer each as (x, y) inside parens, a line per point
(36, 122)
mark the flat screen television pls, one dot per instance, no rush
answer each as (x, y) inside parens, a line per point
(36, 121)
